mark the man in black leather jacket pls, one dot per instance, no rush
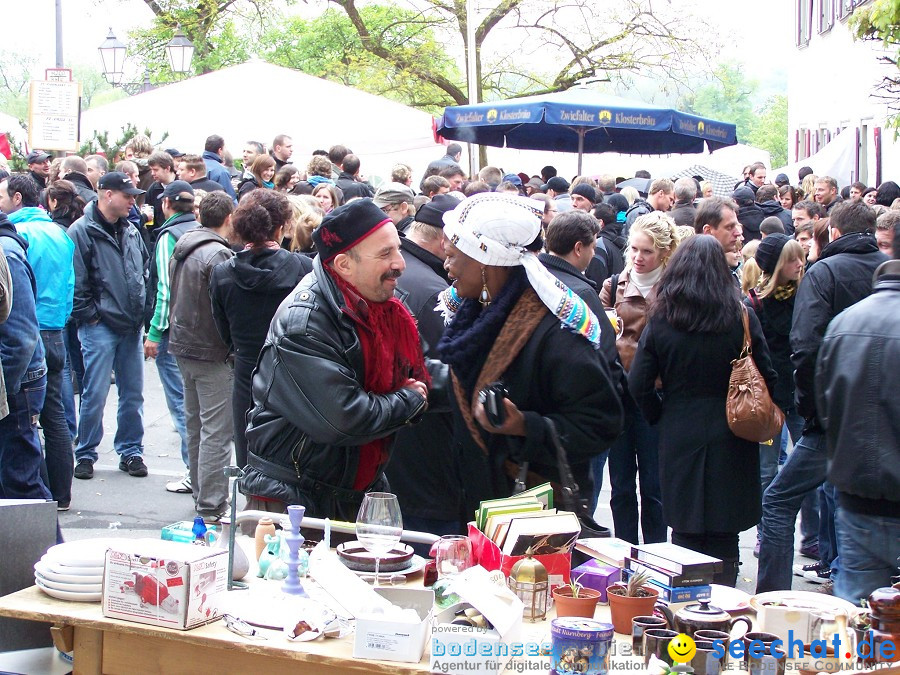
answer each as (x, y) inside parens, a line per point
(859, 408)
(319, 434)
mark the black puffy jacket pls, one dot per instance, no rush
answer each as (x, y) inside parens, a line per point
(842, 276)
(773, 208)
(110, 272)
(310, 412)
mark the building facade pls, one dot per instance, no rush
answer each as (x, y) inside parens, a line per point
(833, 89)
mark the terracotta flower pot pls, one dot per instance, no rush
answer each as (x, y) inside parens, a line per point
(623, 609)
(584, 605)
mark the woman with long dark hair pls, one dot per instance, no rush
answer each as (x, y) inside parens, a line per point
(66, 205)
(709, 477)
(247, 289)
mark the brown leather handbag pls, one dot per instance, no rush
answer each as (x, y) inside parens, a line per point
(752, 415)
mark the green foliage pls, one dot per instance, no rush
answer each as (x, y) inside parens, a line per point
(17, 156)
(330, 47)
(881, 21)
(769, 130)
(731, 97)
(222, 31)
(100, 143)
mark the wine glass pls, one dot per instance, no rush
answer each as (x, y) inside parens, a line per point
(379, 524)
(453, 555)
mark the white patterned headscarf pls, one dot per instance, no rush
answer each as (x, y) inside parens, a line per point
(494, 229)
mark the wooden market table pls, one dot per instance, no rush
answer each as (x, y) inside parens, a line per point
(112, 646)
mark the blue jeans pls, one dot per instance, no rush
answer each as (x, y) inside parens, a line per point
(20, 445)
(105, 351)
(597, 464)
(770, 460)
(801, 474)
(58, 454)
(634, 454)
(73, 348)
(173, 388)
(869, 548)
(828, 545)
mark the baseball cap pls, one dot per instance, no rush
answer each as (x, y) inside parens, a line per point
(36, 157)
(174, 190)
(393, 193)
(116, 180)
(557, 184)
(174, 152)
(512, 178)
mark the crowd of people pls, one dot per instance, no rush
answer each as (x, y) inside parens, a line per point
(342, 337)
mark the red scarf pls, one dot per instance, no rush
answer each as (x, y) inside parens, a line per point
(392, 354)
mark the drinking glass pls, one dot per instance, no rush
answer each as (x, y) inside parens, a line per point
(379, 525)
(453, 555)
(616, 321)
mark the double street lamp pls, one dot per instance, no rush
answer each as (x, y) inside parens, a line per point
(179, 49)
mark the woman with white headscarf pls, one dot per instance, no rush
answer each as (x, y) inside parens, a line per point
(513, 322)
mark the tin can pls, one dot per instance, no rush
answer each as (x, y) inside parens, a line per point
(580, 646)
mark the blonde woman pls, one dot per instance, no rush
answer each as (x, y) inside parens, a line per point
(630, 194)
(651, 241)
(750, 272)
(808, 187)
(306, 218)
(781, 261)
(706, 189)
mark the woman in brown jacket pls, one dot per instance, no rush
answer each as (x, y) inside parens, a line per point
(651, 241)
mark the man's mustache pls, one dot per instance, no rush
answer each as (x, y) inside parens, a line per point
(393, 274)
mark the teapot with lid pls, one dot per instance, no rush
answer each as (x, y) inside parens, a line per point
(702, 616)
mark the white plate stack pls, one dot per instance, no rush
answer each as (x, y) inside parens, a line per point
(73, 571)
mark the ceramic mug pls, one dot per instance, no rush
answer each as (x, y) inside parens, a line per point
(639, 624)
(706, 661)
(768, 662)
(656, 643)
(712, 635)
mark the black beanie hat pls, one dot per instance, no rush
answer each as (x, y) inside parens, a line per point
(769, 251)
(346, 226)
(432, 213)
(585, 191)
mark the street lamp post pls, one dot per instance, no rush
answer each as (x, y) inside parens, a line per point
(179, 49)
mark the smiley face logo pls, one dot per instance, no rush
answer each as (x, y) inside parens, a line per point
(682, 648)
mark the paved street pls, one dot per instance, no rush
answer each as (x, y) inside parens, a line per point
(115, 504)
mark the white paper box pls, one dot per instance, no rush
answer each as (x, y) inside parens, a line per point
(467, 649)
(164, 583)
(388, 640)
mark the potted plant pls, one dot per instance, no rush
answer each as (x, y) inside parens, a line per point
(573, 599)
(627, 601)
(860, 624)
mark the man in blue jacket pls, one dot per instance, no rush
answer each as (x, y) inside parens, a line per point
(111, 266)
(212, 157)
(24, 371)
(50, 254)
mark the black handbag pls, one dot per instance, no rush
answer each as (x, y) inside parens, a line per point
(566, 492)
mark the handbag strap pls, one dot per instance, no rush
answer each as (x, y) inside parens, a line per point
(569, 496)
(747, 350)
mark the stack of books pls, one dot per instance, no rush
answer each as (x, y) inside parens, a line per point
(681, 575)
(528, 521)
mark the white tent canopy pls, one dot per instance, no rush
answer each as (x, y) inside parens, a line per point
(836, 159)
(257, 101)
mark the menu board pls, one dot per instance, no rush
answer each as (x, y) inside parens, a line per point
(54, 109)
